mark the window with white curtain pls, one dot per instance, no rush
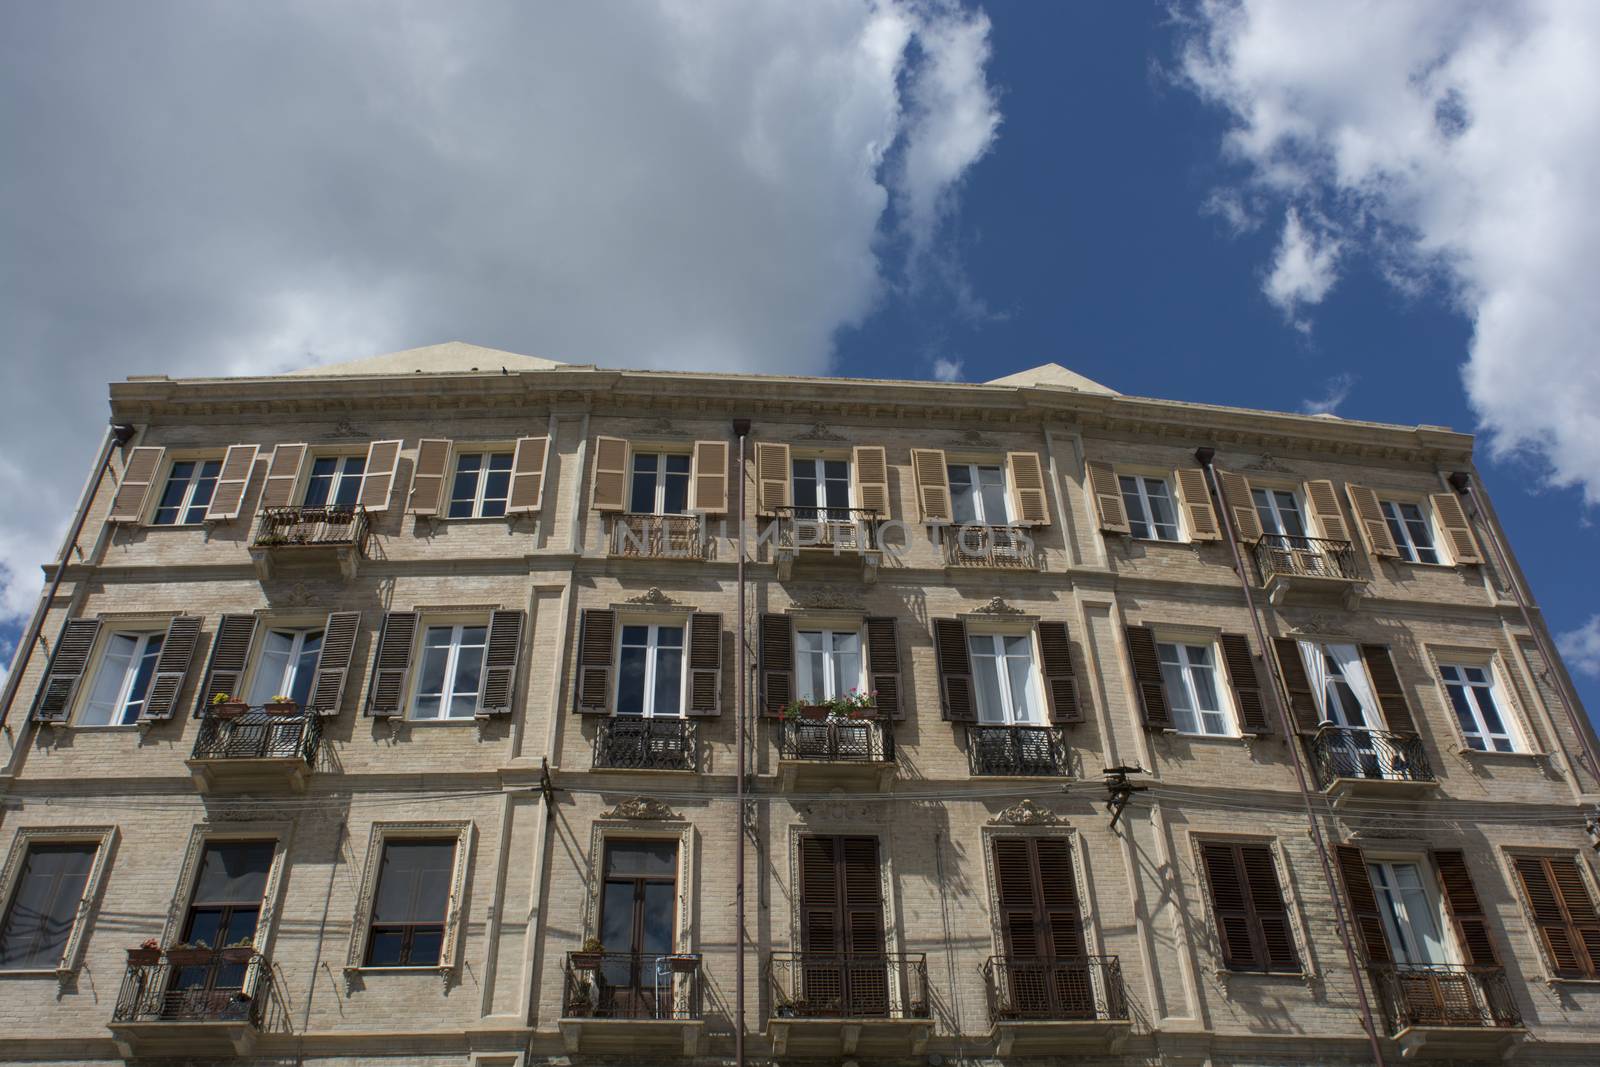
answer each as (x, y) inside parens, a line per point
(1339, 682)
(1189, 678)
(978, 493)
(450, 676)
(827, 664)
(650, 671)
(1411, 918)
(122, 682)
(287, 666)
(1151, 514)
(1004, 677)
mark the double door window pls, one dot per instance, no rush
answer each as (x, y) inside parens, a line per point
(44, 905)
(1412, 533)
(1148, 502)
(1002, 668)
(1189, 678)
(224, 911)
(184, 498)
(287, 666)
(410, 905)
(1472, 696)
(637, 907)
(482, 485)
(335, 481)
(659, 484)
(822, 489)
(1411, 918)
(978, 493)
(827, 664)
(842, 968)
(122, 683)
(1280, 514)
(650, 671)
(450, 681)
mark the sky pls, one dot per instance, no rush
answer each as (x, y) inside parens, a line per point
(1380, 210)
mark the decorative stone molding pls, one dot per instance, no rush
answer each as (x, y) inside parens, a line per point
(455, 912)
(819, 432)
(1321, 623)
(826, 598)
(1026, 813)
(104, 839)
(640, 808)
(973, 439)
(1267, 463)
(653, 597)
(997, 606)
(658, 427)
(344, 428)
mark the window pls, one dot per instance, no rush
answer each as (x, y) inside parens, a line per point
(827, 664)
(1557, 893)
(1251, 914)
(1412, 534)
(637, 905)
(1279, 511)
(1411, 919)
(127, 665)
(482, 485)
(1339, 683)
(1472, 695)
(1151, 515)
(660, 484)
(978, 493)
(409, 907)
(822, 489)
(335, 481)
(44, 905)
(1002, 668)
(190, 484)
(650, 671)
(1189, 676)
(226, 904)
(287, 666)
(451, 676)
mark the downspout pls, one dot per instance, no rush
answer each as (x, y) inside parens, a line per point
(1205, 455)
(741, 427)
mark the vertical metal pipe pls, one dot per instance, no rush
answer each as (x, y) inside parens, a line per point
(741, 427)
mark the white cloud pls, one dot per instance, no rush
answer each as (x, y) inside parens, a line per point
(1456, 142)
(1581, 647)
(1336, 391)
(947, 370)
(1303, 269)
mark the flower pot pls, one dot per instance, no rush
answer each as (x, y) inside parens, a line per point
(815, 712)
(238, 953)
(586, 961)
(282, 707)
(143, 957)
(687, 963)
(189, 957)
(230, 709)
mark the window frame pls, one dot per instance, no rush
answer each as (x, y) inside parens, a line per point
(259, 647)
(456, 622)
(91, 678)
(1146, 516)
(1220, 684)
(652, 649)
(1428, 877)
(817, 512)
(202, 834)
(104, 839)
(1006, 497)
(621, 824)
(1036, 690)
(1374, 719)
(1403, 543)
(1499, 693)
(829, 629)
(188, 504)
(1271, 490)
(486, 452)
(1199, 837)
(342, 457)
(1508, 857)
(658, 503)
(464, 832)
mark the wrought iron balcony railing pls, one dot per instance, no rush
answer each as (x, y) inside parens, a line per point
(1016, 751)
(215, 989)
(836, 740)
(1083, 987)
(260, 734)
(1304, 557)
(298, 527)
(639, 536)
(1444, 995)
(981, 545)
(622, 985)
(1340, 752)
(836, 529)
(849, 986)
(630, 743)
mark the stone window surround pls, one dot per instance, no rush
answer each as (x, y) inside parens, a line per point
(455, 912)
(279, 833)
(1506, 690)
(105, 840)
(1506, 862)
(1298, 923)
(1088, 913)
(619, 826)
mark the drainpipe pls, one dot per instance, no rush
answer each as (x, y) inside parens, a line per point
(1204, 455)
(741, 428)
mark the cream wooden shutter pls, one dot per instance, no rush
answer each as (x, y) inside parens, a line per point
(172, 667)
(708, 478)
(503, 653)
(137, 476)
(283, 474)
(933, 484)
(377, 479)
(227, 500)
(870, 467)
(68, 662)
(609, 491)
(230, 653)
(527, 476)
(428, 476)
(1369, 520)
(333, 661)
(1030, 502)
(1107, 497)
(1324, 502)
(1198, 513)
(1241, 505)
(773, 487)
(1463, 546)
(391, 666)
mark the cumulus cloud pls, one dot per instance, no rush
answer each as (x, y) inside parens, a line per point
(1456, 143)
(1581, 647)
(947, 370)
(1303, 269)
(1336, 391)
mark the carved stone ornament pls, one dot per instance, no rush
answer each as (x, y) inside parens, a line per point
(826, 597)
(653, 597)
(1268, 463)
(344, 428)
(1026, 813)
(640, 808)
(819, 432)
(660, 426)
(1321, 623)
(298, 596)
(974, 439)
(997, 606)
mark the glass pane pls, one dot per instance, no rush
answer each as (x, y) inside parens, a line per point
(1020, 671)
(1458, 701)
(44, 905)
(434, 659)
(1161, 511)
(836, 474)
(234, 872)
(675, 494)
(1476, 675)
(1205, 682)
(350, 481)
(642, 859)
(272, 667)
(669, 677)
(204, 486)
(172, 495)
(657, 918)
(321, 481)
(1487, 708)
(305, 668)
(469, 672)
(426, 944)
(642, 494)
(143, 674)
(809, 670)
(805, 483)
(108, 680)
(986, 677)
(678, 463)
(616, 917)
(994, 495)
(384, 948)
(497, 484)
(1289, 511)
(414, 882)
(963, 494)
(1133, 504)
(464, 489)
(846, 663)
(630, 680)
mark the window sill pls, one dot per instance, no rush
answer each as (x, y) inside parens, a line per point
(34, 972)
(110, 727)
(466, 721)
(1223, 738)
(1295, 976)
(401, 968)
(466, 518)
(1479, 753)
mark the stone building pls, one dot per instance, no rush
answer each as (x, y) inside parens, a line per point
(389, 712)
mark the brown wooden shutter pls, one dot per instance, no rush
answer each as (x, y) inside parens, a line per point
(428, 476)
(1363, 903)
(283, 474)
(68, 660)
(932, 475)
(1241, 505)
(1231, 907)
(333, 661)
(863, 900)
(172, 667)
(708, 478)
(957, 700)
(138, 475)
(500, 659)
(1018, 902)
(1198, 513)
(377, 478)
(883, 666)
(1246, 683)
(1062, 913)
(230, 653)
(1107, 492)
(596, 656)
(392, 664)
(1028, 489)
(528, 461)
(1369, 520)
(776, 658)
(1563, 913)
(1466, 912)
(1040, 915)
(1060, 680)
(1386, 687)
(705, 663)
(870, 466)
(1324, 501)
(821, 918)
(609, 490)
(227, 499)
(1247, 899)
(1146, 664)
(1302, 701)
(1271, 910)
(1453, 520)
(773, 470)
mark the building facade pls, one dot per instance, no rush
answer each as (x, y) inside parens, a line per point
(390, 713)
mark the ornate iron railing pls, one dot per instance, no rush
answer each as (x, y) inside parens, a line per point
(1083, 987)
(1444, 995)
(216, 989)
(1340, 752)
(630, 743)
(1304, 557)
(1034, 751)
(622, 985)
(659, 537)
(836, 740)
(260, 734)
(980, 545)
(836, 529)
(312, 526)
(849, 986)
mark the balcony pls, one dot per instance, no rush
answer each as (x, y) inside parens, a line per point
(1307, 570)
(818, 534)
(990, 547)
(261, 750)
(1447, 1011)
(1073, 1005)
(835, 753)
(1370, 763)
(635, 536)
(628, 743)
(1017, 752)
(621, 1002)
(830, 1005)
(310, 536)
(214, 1008)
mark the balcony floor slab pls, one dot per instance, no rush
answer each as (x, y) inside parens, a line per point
(1076, 1036)
(1422, 1043)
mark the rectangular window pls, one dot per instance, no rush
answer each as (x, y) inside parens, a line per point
(660, 484)
(450, 677)
(1472, 695)
(482, 485)
(827, 664)
(410, 904)
(1251, 913)
(637, 908)
(822, 489)
(1279, 511)
(1189, 676)
(1411, 919)
(127, 665)
(189, 486)
(44, 905)
(1003, 673)
(226, 904)
(978, 493)
(1339, 682)
(287, 666)
(1151, 515)
(650, 671)
(335, 481)
(1412, 534)
(1563, 913)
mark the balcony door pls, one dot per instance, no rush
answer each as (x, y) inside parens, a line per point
(1046, 972)
(1340, 683)
(843, 968)
(637, 908)
(223, 911)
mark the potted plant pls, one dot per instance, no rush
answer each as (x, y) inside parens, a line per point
(148, 954)
(581, 1000)
(228, 706)
(282, 705)
(588, 957)
(241, 951)
(185, 954)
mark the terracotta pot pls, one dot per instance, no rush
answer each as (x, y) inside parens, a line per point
(189, 957)
(586, 961)
(282, 707)
(685, 964)
(238, 953)
(815, 712)
(230, 709)
(144, 957)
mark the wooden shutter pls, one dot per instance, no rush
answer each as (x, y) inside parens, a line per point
(333, 661)
(1040, 915)
(1107, 492)
(1018, 903)
(1241, 505)
(227, 499)
(609, 490)
(500, 661)
(283, 474)
(1563, 913)
(1060, 680)
(705, 663)
(1231, 907)
(1271, 910)
(1195, 498)
(1466, 912)
(708, 478)
(1146, 663)
(883, 666)
(1302, 701)
(172, 667)
(1453, 520)
(776, 659)
(933, 484)
(863, 898)
(377, 478)
(1364, 913)
(1246, 683)
(68, 660)
(428, 476)
(773, 469)
(596, 649)
(528, 461)
(1031, 501)
(1386, 687)
(230, 652)
(1324, 501)
(821, 918)
(957, 700)
(392, 665)
(1252, 918)
(870, 466)
(138, 474)
(1370, 521)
